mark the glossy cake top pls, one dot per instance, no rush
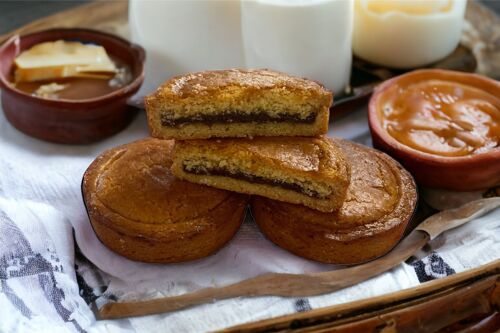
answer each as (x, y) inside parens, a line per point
(381, 193)
(300, 154)
(213, 82)
(135, 181)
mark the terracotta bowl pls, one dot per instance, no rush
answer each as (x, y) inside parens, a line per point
(467, 173)
(70, 121)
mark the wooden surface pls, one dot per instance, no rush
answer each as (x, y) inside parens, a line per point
(15, 13)
(109, 16)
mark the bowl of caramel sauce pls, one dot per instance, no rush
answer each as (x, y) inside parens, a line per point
(443, 126)
(69, 85)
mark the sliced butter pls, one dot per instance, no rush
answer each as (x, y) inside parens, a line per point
(60, 59)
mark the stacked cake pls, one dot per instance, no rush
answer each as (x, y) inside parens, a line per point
(280, 118)
(261, 133)
(226, 138)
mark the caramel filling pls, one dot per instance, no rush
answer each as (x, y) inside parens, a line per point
(234, 116)
(240, 175)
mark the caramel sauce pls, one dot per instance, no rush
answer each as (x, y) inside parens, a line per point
(443, 118)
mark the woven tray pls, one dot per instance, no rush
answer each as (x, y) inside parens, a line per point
(467, 301)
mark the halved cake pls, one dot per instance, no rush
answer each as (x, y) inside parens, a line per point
(378, 207)
(302, 170)
(238, 103)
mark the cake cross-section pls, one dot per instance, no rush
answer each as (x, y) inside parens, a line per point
(238, 103)
(302, 170)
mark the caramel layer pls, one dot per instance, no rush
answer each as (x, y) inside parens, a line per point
(202, 170)
(232, 116)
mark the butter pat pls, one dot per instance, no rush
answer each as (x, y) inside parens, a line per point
(60, 59)
(406, 33)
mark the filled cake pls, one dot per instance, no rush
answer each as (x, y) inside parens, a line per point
(301, 170)
(380, 202)
(238, 103)
(239, 136)
(141, 211)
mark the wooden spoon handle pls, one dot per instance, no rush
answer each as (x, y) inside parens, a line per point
(452, 218)
(349, 276)
(274, 284)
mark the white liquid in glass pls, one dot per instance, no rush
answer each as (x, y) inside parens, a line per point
(305, 38)
(183, 36)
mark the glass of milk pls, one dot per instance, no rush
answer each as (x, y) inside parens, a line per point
(182, 36)
(308, 38)
(407, 33)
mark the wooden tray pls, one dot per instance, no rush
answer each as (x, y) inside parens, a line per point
(468, 301)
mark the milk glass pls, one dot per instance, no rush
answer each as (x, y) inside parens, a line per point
(308, 38)
(183, 36)
(407, 33)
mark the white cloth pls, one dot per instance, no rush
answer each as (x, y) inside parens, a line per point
(41, 205)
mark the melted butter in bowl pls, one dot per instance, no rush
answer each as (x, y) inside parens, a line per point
(77, 88)
(68, 90)
(442, 117)
(65, 70)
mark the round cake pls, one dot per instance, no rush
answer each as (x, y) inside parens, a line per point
(141, 211)
(380, 202)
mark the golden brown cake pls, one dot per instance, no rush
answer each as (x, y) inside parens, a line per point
(301, 170)
(141, 211)
(379, 204)
(238, 103)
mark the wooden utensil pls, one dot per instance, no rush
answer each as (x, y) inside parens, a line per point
(294, 285)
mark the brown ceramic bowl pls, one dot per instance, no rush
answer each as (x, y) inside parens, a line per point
(70, 121)
(467, 173)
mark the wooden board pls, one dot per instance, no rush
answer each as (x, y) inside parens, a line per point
(109, 16)
(429, 307)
